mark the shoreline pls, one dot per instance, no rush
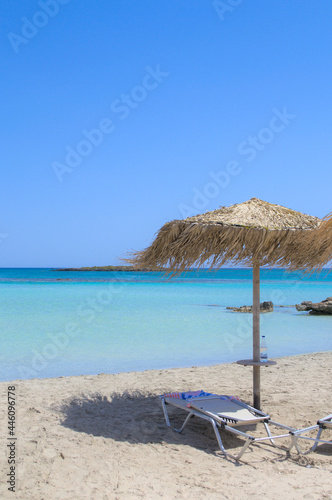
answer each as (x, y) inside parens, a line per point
(158, 370)
(104, 436)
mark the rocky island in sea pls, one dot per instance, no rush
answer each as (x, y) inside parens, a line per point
(108, 268)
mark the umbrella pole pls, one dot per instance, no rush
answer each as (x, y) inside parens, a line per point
(256, 335)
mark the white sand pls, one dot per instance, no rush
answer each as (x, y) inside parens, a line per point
(77, 440)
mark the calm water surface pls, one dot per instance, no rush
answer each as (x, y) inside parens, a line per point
(57, 323)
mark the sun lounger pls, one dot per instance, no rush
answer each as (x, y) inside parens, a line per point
(323, 423)
(223, 412)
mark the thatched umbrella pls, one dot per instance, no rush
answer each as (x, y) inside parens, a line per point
(253, 233)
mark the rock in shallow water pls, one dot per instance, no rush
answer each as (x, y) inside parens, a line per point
(323, 307)
(264, 307)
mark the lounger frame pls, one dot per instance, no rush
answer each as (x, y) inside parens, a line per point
(225, 423)
(323, 423)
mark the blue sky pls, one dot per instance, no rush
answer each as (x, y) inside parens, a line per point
(119, 115)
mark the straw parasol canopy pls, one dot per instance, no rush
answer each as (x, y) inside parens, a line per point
(243, 233)
(253, 233)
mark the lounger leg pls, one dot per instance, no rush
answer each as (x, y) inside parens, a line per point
(184, 423)
(295, 440)
(317, 437)
(189, 416)
(221, 446)
(243, 449)
(267, 428)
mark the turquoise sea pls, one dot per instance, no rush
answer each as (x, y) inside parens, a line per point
(57, 323)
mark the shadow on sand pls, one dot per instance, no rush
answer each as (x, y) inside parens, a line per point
(138, 418)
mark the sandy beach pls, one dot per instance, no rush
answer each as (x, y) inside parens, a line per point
(104, 437)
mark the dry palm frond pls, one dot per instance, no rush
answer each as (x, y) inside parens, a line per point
(243, 233)
(319, 244)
